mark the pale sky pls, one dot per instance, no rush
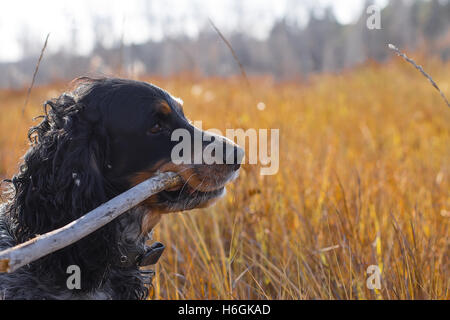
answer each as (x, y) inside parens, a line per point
(32, 20)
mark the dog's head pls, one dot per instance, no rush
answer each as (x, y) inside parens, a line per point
(148, 133)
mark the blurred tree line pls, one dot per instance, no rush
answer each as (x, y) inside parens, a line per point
(289, 51)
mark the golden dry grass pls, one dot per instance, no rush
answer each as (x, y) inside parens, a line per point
(364, 180)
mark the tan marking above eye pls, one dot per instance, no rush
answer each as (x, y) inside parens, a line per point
(165, 108)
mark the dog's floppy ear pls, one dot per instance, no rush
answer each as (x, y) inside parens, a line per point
(62, 168)
(60, 180)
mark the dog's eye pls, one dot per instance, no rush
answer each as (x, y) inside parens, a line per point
(156, 128)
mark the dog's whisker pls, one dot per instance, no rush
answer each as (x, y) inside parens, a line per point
(184, 185)
(198, 186)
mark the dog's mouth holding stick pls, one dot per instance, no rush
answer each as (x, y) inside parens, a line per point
(190, 192)
(167, 185)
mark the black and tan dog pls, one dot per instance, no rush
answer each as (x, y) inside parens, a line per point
(92, 144)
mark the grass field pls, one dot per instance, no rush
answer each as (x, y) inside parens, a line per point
(364, 180)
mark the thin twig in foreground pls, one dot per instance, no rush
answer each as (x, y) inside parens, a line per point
(35, 73)
(418, 67)
(228, 44)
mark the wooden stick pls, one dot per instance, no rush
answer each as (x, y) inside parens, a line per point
(13, 258)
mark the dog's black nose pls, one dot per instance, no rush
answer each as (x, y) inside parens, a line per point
(234, 158)
(231, 154)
